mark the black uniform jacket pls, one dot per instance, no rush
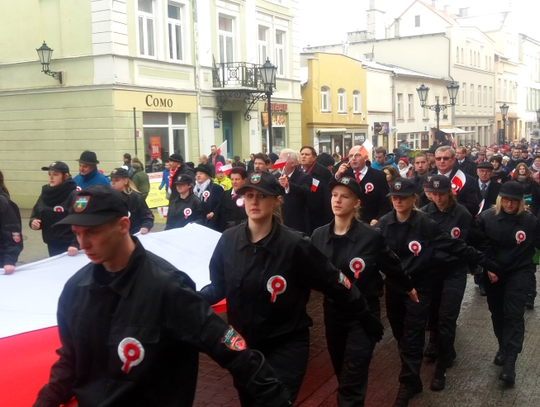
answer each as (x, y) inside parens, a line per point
(416, 241)
(374, 202)
(360, 254)
(509, 239)
(182, 169)
(140, 215)
(211, 197)
(294, 208)
(154, 304)
(52, 206)
(267, 284)
(11, 239)
(184, 211)
(229, 212)
(318, 203)
(457, 222)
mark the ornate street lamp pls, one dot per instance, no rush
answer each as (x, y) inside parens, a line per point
(45, 54)
(504, 112)
(268, 74)
(423, 91)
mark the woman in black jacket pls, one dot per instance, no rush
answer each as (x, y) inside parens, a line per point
(416, 239)
(531, 190)
(140, 216)
(11, 243)
(52, 206)
(359, 251)
(448, 283)
(509, 235)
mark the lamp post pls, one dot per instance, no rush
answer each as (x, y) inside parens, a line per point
(45, 54)
(538, 117)
(504, 111)
(268, 74)
(423, 90)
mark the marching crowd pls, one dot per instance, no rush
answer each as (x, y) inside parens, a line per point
(409, 228)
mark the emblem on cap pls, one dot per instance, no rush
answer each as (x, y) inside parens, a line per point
(397, 186)
(81, 203)
(52, 165)
(255, 177)
(114, 171)
(345, 181)
(436, 184)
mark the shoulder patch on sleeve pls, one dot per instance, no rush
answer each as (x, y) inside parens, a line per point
(233, 340)
(343, 280)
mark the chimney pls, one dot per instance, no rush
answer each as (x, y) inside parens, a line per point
(434, 3)
(396, 27)
(447, 9)
(464, 12)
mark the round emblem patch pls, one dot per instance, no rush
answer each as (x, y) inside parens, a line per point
(455, 233)
(206, 195)
(345, 180)
(415, 247)
(255, 177)
(369, 187)
(357, 265)
(520, 236)
(58, 208)
(240, 202)
(187, 212)
(131, 352)
(275, 286)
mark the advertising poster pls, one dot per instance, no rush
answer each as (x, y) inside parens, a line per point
(156, 197)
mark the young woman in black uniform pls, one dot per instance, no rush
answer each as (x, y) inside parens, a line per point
(359, 251)
(509, 234)
(415, 239)
(11, 243)
(140, 216)
(52, 206)
(449, 281)
(266, 272)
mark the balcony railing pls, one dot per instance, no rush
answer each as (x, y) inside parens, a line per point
(234, 75)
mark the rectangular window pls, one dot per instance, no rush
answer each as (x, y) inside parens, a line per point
(342, 101)
(146, 25)
(485, 96)
(174, 28)
(445, 112)
(410, 105)
(262, 38)
(280, 53)
(464, 93)
(325, 99)
(471, 95)
(357, 102)
(490, 96)
(499, 94)
(479, 101)
(226, 39)
(417, 21)
(400, 106)
(505, 90)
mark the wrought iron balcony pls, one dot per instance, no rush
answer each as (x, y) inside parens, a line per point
(237, 75)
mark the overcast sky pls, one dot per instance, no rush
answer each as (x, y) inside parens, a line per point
(327, 22)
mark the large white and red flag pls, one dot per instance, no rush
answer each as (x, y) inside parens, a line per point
(280, 162)
(365, 149)
(458, 181)
(222, 149)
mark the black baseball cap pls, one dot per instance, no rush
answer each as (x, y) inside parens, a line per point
(511, 189)
(427, 179)
(263, 182)
(119, 173)
(347, 182)
(94, 206)
(183, 179)
(88, 157)
(402, 187)
(58, 166)
(438, 183)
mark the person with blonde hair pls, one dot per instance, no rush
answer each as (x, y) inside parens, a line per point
(509, 235)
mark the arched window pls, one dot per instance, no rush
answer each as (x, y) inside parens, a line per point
(457, 55)
(357, 101)
(342, 101)
(325, 99)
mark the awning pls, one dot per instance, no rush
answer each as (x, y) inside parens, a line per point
(455, 130)
(331, 130)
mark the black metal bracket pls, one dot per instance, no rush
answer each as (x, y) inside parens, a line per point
(250, 98)
(55, 75)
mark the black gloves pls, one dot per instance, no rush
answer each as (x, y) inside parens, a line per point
(372, 326)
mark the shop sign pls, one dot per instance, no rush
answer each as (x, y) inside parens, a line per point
(380, 128)
(277, 119)
(155, 147)
(216, 124)
(276, 107)
(152, 101)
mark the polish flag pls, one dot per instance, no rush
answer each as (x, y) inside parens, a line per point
(365, 149)
(222, 149)
(225, 169)
(481, 208)
(458, 181)
(280, 163)
(512, 173)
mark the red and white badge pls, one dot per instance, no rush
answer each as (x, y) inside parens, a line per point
(415, 247)
(314, 185)
(520, 236)
(131, 352)
(206, 195)
(78, 189)
(369, 187)
(275, 286)
(357, 265)
(240, 202)
(455, 233)
(16, 236)
(58, 208)
(187, 212)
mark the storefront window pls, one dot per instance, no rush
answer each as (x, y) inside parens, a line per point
(279, 121)
(164, 134)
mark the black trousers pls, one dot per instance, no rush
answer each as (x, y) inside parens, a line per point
(506, 301)
(289, 361)
(408, 322)
(350, 351)
(531, 290)
(447, 293)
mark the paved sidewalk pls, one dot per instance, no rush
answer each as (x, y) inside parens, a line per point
(472, 381)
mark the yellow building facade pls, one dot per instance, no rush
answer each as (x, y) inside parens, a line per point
(334, 107)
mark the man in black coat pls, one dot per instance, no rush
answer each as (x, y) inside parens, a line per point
(486, 189)
(297, 185)
(465, 185)
(319, 208)
(463, 163)
(374, 202)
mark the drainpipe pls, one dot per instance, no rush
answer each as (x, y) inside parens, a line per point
(394, 123)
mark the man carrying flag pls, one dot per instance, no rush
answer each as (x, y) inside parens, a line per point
(216, 155)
